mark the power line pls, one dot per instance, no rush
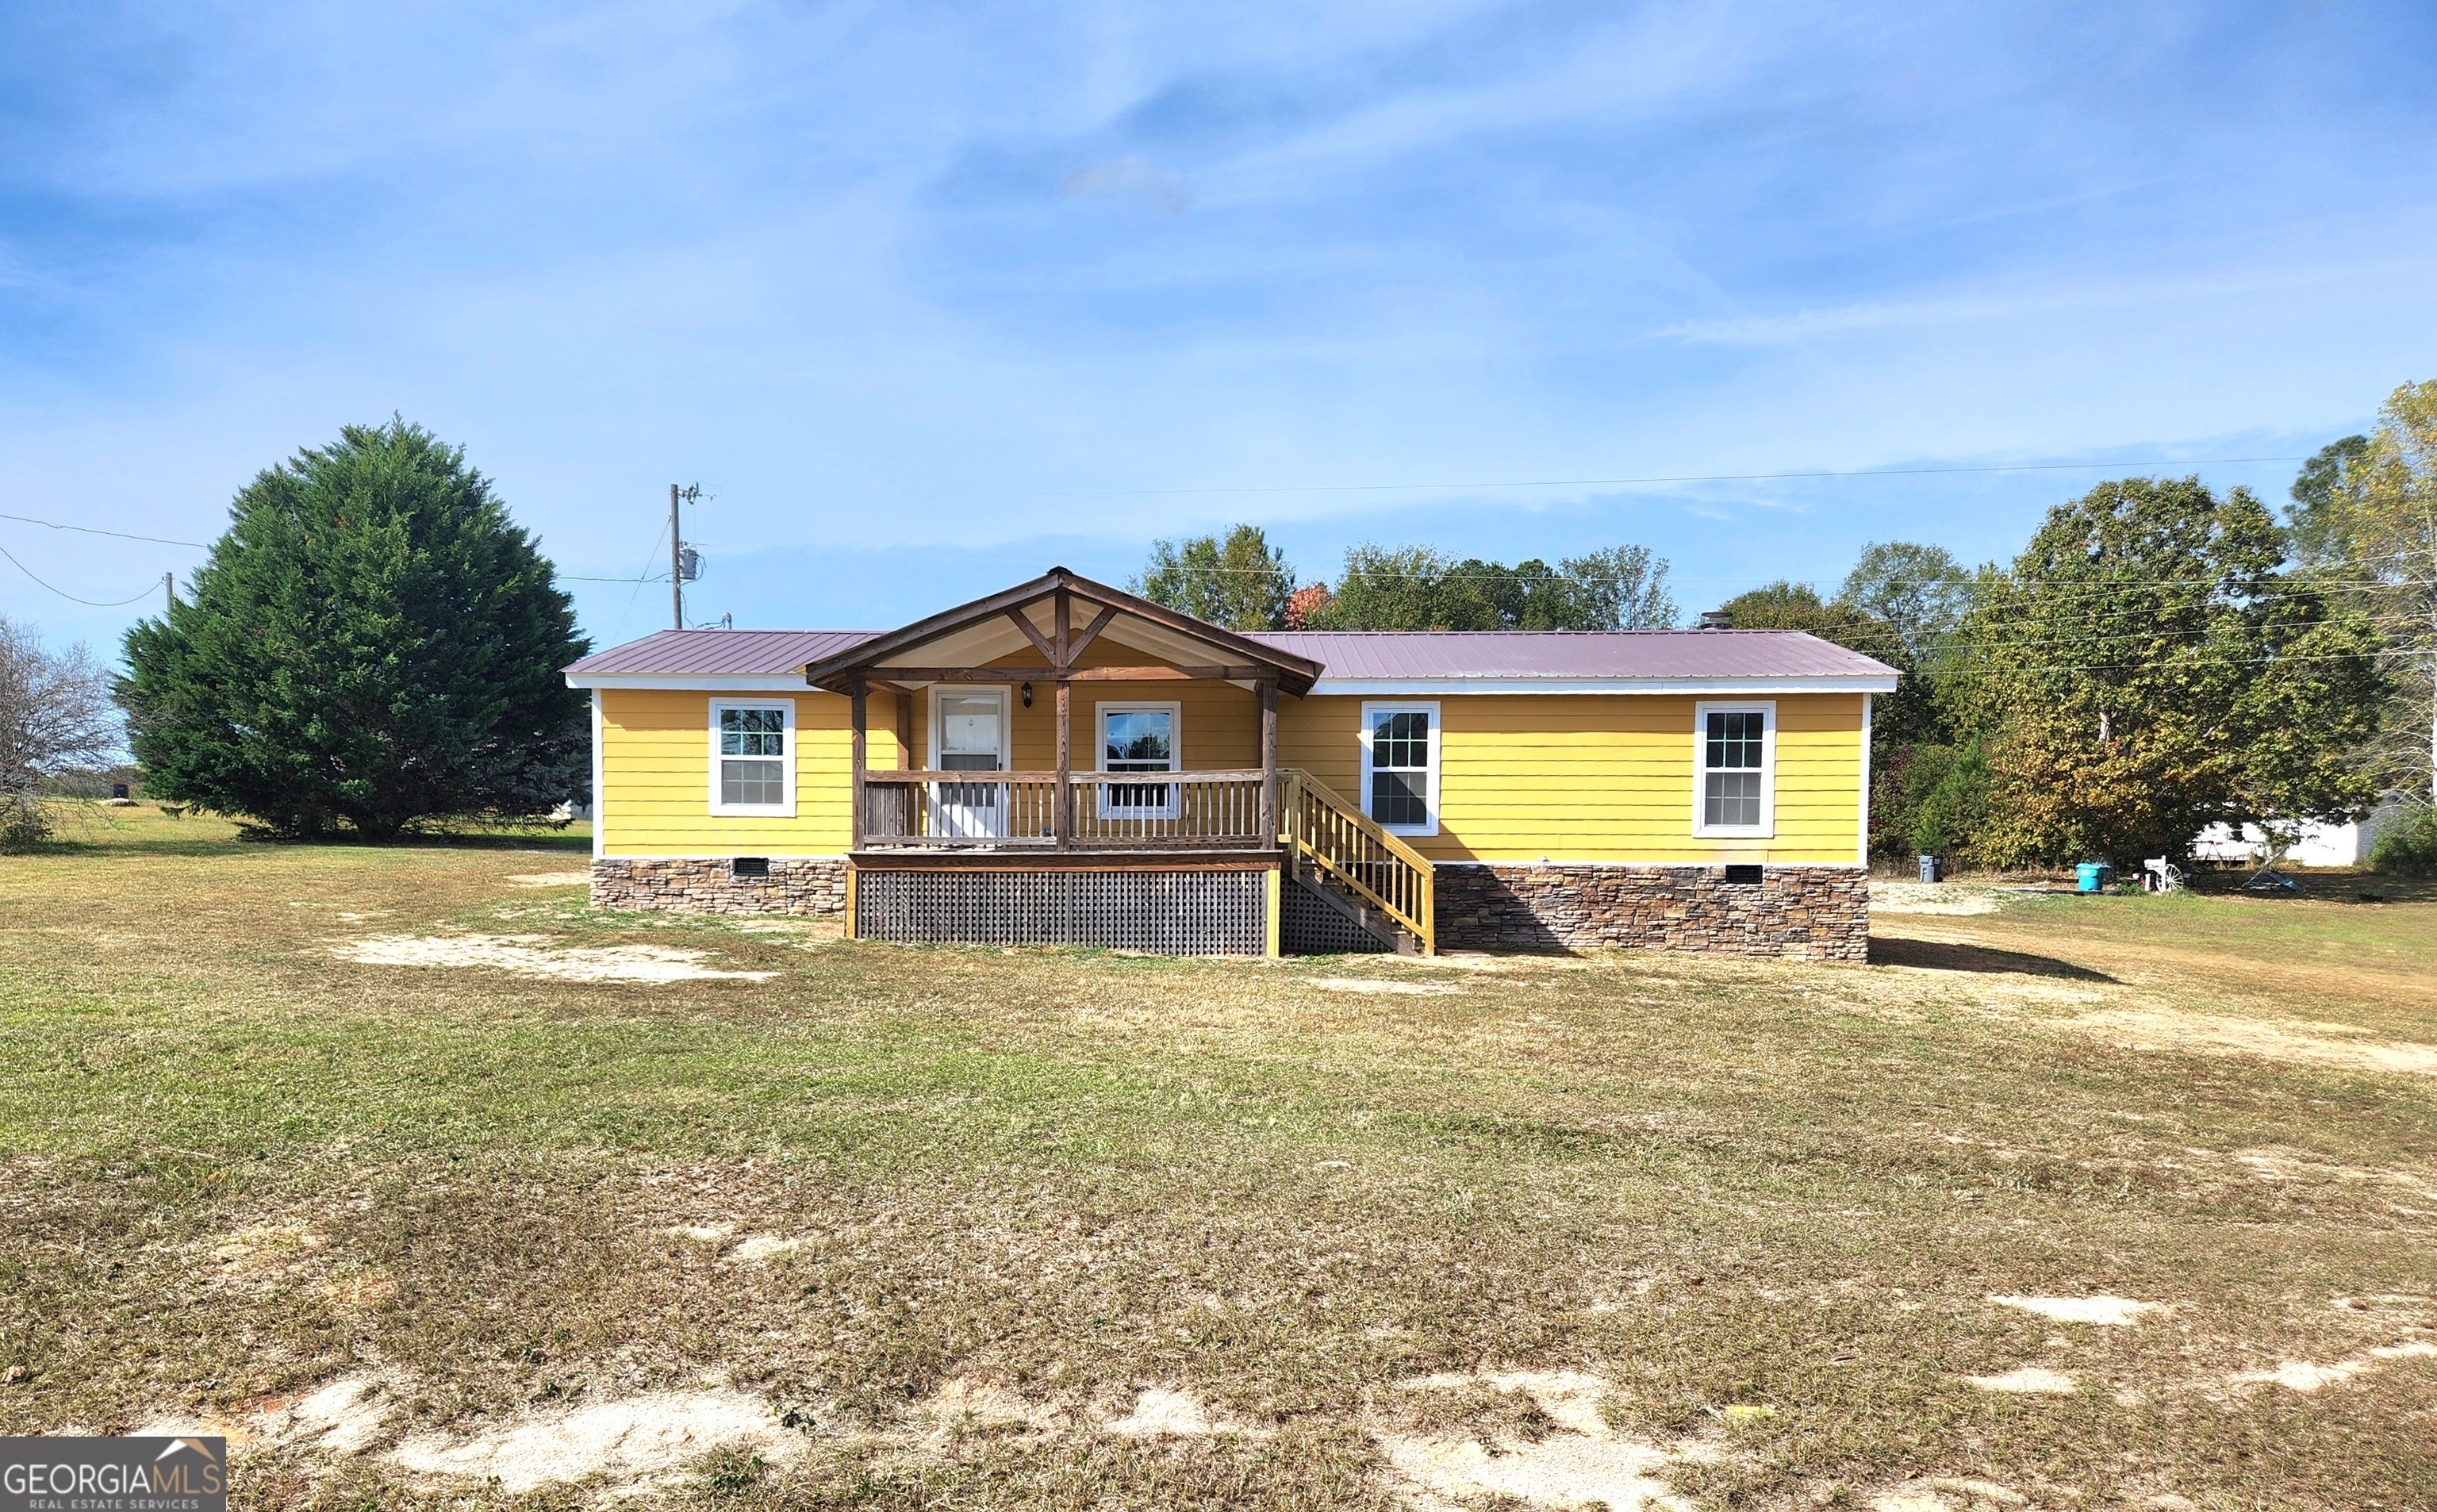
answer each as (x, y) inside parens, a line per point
(2385, 619)
(2181, 663)
(93, 604)
(118, 534)
(1620, 483)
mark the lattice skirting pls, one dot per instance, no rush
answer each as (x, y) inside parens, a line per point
(1172, 913)
(1308, 926)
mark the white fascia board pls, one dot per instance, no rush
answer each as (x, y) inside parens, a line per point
(1646, 866)
(727, 856)
(1719, 687)
(701, 682)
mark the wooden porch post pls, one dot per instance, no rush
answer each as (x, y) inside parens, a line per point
(1268, 761)
(858, 698)
(1062, 802)
(906, 729)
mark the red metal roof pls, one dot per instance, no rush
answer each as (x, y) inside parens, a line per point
(1346, 655)
(1574, 654)
(724, 653)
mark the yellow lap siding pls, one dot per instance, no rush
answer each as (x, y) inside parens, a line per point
(1522, 776)
(1599, 778)
(656, 777)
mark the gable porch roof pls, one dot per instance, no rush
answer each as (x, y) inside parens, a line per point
(1022, 618)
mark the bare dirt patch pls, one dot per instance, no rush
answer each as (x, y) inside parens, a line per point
(344, 1416)
(629, 1440)
(265, 1251)
(764, 1247)
(1932, 897)
(2106, 1310)
(983, 1399)
(2029, 1380)
(2173, 1029)
(1946, 1494)
(2299, 1374)
(1367, 984)
(1481, 961)
(1563, 1470)
(1164, 1410)
(1580, 1459)
(533, 955)
(550, 879)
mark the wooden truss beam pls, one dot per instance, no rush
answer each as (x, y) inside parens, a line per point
(1079, 674)
(1090, 633)
(1040, 642)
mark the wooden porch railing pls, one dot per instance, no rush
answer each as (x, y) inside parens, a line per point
(1325, 831)
(1105, 811)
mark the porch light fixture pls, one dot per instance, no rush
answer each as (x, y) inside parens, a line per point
(1028, 696)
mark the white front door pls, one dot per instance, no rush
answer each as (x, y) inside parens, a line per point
(972, 735)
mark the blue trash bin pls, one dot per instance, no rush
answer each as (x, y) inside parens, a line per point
(2092, 877)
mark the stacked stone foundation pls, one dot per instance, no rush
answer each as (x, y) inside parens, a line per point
(1813, 913)
(813, 885)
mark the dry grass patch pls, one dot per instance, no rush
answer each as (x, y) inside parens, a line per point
(871, 1225)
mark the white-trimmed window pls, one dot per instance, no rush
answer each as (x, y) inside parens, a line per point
(753, 756)
(1139, 737)
(1734, 768)
(1401, 767)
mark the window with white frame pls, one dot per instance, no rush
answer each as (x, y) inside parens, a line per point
(1138, 737)
(752, 757)
(1401, 767)
(1735, 761)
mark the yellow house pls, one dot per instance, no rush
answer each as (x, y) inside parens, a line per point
(1064, 761)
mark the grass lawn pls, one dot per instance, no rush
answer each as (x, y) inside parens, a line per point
(433, 1188)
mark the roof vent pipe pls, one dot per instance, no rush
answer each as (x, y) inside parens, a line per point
(1716, 620)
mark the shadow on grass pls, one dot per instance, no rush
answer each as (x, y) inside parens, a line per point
(1939, 955)
(2319, 884)
(87, 831)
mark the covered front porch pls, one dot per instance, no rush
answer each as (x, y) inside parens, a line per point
(1067, 763)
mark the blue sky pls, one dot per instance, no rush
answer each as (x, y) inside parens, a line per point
(930, 296)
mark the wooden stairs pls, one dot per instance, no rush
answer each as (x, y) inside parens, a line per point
(1374, 880)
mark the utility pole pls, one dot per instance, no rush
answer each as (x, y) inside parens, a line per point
(676, 571)
(168, 592)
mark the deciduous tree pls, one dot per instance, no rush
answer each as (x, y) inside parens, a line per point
(2367, 510)
(55, 715)
(2151, 666)
(1242, 582)
(1419, 587)
(1905, 725)
(1920, 593)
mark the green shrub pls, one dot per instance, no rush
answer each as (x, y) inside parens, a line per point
(1956, 810)
(2409, 845)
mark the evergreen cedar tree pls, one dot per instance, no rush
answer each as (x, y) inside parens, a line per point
(373, 645)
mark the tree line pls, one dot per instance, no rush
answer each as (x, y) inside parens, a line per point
(1241, 581)
(374, 646)
(2159, 657)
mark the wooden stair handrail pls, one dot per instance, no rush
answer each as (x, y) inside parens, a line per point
(1422, 919)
